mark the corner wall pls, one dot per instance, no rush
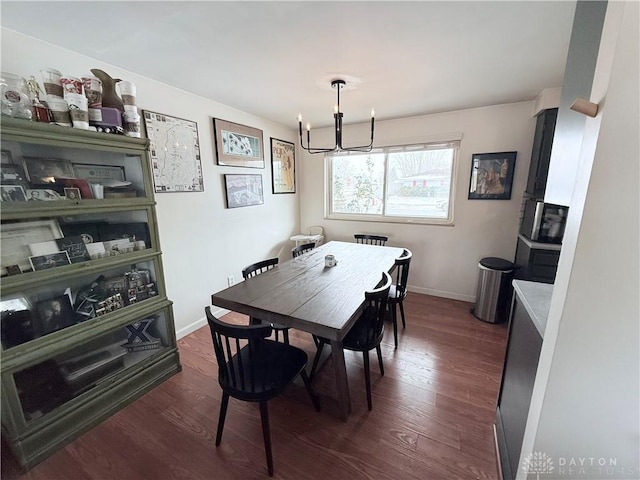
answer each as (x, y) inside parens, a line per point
(445, 258)
(202, 241)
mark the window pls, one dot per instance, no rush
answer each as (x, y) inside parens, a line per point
(411, 183)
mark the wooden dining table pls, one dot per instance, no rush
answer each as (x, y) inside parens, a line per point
(303, 293)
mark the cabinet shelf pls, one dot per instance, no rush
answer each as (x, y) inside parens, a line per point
(86, 323)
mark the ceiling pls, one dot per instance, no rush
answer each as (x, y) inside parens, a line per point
(276, 59)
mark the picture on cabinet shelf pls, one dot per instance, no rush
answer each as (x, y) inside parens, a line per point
(492, 176)
(12, 174)
(72, 193)
(43, 195)
(16, 321)
(47, 170)
(44, 262)
(55, 314)
(12, 193)
(75, 247)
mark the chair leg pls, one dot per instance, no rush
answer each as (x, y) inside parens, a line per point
(266, 433)
(223, 415)
(307, 384)
(379, 352)
(276, 335)
(316, 359)
(404, 325)
(367, 378)
(285, 335)
(394, 318)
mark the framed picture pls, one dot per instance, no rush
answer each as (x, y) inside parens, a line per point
(12, 193)
(72, 193)
(11, 174)
(5, 157)
(46, 170)
(492, 175)
(243, 190)
(283, 166)
(55, 314)
(108, 175)
(51, 260)
(175, 153)
(75, 248)
(238, 145)
(16, 238)
(43, 195)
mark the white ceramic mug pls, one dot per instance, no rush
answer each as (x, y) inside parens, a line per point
(127, 92)
(51, 81)
(78, 109)
(330, 261)
(59, 111)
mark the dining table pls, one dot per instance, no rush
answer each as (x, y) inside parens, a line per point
(305, 294)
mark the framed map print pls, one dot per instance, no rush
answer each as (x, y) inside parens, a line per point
(238, 145)
(175, 153)
(283, 166)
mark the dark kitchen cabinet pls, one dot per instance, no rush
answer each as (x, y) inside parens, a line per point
(535, 261)
(541, 153)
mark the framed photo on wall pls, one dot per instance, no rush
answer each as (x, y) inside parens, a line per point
(283, 166)
(492, 175)
(238, 145)
(243, 190)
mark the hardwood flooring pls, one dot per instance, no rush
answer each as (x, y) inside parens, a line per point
(432, 415)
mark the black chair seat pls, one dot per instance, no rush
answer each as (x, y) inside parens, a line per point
(361, 337)
(276, 366)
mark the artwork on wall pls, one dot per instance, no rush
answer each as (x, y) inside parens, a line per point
(175, 153)
(283, 166)
(492, 175)
(243, 190)
(238, 145)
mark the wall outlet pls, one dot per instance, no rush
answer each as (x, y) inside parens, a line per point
(230, 280)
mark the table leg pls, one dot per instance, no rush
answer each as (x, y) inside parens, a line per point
(342, 383)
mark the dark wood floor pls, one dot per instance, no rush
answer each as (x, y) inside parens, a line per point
(432, 415)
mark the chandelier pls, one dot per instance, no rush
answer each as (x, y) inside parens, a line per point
(337, 117)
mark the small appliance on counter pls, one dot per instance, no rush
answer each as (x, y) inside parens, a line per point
(543, 222)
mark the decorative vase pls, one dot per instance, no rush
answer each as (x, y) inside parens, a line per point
(110, 98)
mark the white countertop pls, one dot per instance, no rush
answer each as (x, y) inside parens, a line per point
(536, 299)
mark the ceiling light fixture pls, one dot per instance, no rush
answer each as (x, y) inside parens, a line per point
(338, 83)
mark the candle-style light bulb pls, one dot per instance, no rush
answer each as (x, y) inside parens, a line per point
(335, 109)
(299, 118)
(308, 127)
(373, 113)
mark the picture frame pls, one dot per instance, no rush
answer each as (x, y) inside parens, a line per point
(75, 247)
(283, 166)
(238, 145)
(491, 175)
(46, 170)
(174, 147)
(54, 314)
(11, 174)
(72, 193)
(16, 238)
(42, 195)
(50, 260)
(243, 190)
(12, 193)
(5, 157)
(103, 174)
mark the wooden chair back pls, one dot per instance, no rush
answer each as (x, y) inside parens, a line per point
(304, 248)
(259, 267)
(370, 239)
(402, 273)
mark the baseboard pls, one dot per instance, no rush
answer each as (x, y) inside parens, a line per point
(192, 327)
(442, 294)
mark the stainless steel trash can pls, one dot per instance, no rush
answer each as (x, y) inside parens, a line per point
(494, 290)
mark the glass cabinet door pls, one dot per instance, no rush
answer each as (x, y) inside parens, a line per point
(45, 386)
(34, 172)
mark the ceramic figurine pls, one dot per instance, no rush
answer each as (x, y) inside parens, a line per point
(110, 98)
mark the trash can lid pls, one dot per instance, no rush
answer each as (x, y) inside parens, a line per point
(495, 263)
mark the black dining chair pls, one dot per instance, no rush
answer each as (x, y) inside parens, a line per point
(370, 239)
(256, 269)
(299, 250)
(252, 368)
(366, 334)
(398, 291)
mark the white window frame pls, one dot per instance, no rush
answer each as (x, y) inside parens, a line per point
(448, 221)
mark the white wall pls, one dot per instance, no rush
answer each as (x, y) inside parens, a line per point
(202, 241)
(445, 258)
(586, 398)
